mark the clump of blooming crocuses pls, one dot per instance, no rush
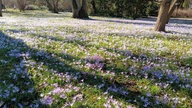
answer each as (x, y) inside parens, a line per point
(95, 62)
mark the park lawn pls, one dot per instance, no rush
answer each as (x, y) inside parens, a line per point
(52, 60)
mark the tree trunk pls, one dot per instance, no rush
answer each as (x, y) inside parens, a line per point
(1, 8)
(49, 5)
(83, 11)
(94, 7)
(79, 8)
(53, 5)
(171, 10)
(75, 8)
(21, 4)
(162, 15)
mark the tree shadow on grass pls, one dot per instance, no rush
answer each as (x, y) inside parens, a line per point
(118, 90)
(188, 35)
(150, 22)
(154, 75)
(127, 83)
(172, 20)
(145, 21)
(124, 21)
(16, 86)
(85, 43)
(52, 63)
(72, 30)
(187, 62)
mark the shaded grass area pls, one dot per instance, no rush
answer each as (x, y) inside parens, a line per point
(72, 71)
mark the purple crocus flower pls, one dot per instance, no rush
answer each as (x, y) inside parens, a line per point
(47, 100)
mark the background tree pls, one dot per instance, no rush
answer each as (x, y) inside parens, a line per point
(186, 3)
(0, 8)
(94, 6)
(166, 9)
(79, 9)
(124, 8)
(53, 5)
(21, 4)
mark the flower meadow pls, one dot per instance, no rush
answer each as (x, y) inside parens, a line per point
(55, 61)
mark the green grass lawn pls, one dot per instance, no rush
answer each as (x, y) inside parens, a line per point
(52, 60)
